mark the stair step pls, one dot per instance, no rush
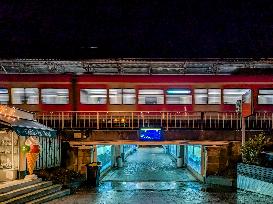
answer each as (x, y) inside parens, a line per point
(13, 185)
(24, 190)
(50, 197)
(35, 194)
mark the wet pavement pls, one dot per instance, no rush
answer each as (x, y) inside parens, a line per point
(150, 176)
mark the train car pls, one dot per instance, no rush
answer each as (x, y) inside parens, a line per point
(37, 92)
(217, 93)
(86, 92)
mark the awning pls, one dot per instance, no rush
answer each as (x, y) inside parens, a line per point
(25, 127)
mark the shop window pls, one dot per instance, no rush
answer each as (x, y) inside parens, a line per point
(129, 96)
(151, 96)
(25, 95)
(214, 96)
(55, 96)
(178, 96)
(104, 156)
(194, 157)
(115, 96)
(231, 96)
(9, 150)
(93, 96)
(4, 96)
(201, 96)
(265, 97)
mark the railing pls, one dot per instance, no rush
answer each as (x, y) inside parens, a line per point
(166, 120)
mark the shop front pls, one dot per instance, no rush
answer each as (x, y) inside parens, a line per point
(104, 156)
(193, 159)
(14, 130)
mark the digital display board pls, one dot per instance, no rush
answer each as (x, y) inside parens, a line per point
(150, 134)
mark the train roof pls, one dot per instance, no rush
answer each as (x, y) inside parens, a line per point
(142, 66)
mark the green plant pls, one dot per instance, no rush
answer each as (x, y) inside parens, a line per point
(252, 149)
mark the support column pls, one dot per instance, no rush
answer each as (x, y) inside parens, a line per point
(180, 156)
(118, 157)
(122, 153)
(95, 153)
(243, 131)
(216, 160)
(113, 156)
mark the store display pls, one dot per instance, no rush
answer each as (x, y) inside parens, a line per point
(9, 151)
(25, 148)
(33, 154)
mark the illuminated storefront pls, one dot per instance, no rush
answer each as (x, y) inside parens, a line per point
(104, 156)
(193, 157)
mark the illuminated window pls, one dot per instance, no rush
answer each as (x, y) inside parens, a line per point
(25, 95)
(55, 96)
(129, 96)
(201, 96)
(214, 96)
(265, 96)
(93, 96)
(4, 96)
(151, 96)
(231, 96)
(193, 157)
(115, 96)
(178, 96)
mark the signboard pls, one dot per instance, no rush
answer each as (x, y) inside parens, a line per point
(24, 131)
(151, 134)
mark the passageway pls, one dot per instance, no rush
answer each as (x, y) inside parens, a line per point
(150, 176)
(149, 164)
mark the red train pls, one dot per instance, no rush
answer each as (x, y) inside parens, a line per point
(86, 92)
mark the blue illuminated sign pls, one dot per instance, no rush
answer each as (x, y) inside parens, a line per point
(151, 134)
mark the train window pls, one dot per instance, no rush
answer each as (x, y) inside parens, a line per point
(178, 96)
(93, 96)
(55, 96)
(4, 96)
(25, 95)
(265, 96)
(129, 96)
(214, 96)
(201, 96)
(115, 96)
(231, 96)
(151, 96)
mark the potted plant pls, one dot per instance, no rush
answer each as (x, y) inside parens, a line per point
(250, 175)
(251, 150)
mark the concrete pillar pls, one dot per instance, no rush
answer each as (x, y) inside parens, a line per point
(118, 160)
(216, 160)
(113, 157)
(122, 153)
(180, 156)
(95, 153)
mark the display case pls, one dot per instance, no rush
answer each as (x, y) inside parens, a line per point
(9, 155)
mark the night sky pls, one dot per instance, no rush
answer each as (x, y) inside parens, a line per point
(136, 28)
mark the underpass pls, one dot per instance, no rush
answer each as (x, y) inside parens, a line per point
(149, 175)
(149, 164)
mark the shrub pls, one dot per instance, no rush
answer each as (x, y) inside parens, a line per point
(251, 150)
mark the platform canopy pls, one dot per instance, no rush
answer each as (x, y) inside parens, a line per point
(144, 66)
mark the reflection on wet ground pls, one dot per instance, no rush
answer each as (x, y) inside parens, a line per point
(150, 176)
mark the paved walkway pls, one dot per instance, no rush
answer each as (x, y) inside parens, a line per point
(149, 164)
(150, 177)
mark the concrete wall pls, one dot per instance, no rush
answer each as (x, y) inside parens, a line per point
(221, 160)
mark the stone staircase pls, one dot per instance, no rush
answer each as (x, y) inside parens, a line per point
(30, 191)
